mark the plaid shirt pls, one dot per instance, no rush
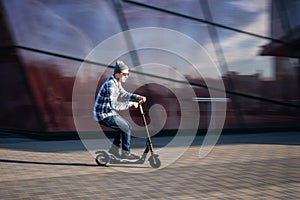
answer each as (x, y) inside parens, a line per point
(107, 103)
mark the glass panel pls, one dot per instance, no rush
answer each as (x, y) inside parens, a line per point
(53, 37)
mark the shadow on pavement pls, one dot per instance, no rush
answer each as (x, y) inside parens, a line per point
(64, 164)
(46, 163)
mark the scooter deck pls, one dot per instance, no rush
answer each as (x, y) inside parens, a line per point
(125, 161)
(116, 160)
(105, 159)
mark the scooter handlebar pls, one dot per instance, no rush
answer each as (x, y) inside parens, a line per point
(140, 101)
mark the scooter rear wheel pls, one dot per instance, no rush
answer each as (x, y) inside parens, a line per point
(102, 158)
(154, 161)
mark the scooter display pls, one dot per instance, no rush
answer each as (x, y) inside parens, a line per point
(104, 158)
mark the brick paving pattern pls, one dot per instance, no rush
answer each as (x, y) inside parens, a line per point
(254, 166)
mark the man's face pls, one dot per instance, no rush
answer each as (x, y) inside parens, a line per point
(123, 75)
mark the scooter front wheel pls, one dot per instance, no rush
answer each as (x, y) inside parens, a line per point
(154, 161)
(102, 158)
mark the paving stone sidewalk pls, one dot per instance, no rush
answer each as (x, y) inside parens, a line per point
(253, 166)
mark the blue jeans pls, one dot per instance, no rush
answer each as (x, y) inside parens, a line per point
(123, 129)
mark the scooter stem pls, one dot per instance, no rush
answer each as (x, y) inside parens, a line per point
(146, 127)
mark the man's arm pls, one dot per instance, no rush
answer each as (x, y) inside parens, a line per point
(114, 94)
(127, 95)
(131, 96)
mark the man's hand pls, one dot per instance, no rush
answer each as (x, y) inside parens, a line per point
(142, 98)
(135, 104)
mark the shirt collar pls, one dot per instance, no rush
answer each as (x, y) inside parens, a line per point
(115, 80)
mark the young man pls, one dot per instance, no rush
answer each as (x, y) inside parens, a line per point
(107, 104)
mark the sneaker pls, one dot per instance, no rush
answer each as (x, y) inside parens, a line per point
(130, 156)
(115, 152)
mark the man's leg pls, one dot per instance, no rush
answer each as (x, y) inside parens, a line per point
(117, 140)
(124, 132)
(110, 122)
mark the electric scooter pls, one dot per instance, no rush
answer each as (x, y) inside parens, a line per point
(104, 158)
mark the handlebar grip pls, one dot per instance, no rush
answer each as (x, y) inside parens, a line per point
(140, 101)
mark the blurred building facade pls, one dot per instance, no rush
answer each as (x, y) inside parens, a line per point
(44, 42)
